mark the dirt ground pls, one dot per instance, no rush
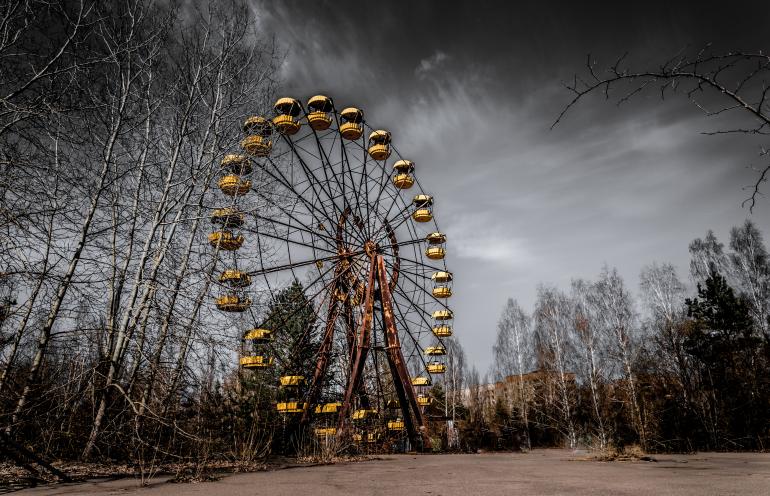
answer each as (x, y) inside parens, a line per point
(541, 472)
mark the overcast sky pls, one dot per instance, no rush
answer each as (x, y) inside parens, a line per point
(469, 92)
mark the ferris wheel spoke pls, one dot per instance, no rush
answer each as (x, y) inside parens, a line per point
(309, 174)
(305, 229)
(420, 264)
(326, 162)
(281, 178)
(304, 263)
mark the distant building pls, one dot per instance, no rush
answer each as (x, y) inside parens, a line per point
(533, 386)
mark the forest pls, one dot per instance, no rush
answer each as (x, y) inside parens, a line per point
(670, 370)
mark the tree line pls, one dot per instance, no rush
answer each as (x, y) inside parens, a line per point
(669, 369)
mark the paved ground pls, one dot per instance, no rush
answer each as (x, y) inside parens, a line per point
(542, 472)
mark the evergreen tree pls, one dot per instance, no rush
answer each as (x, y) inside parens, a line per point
(721, 336)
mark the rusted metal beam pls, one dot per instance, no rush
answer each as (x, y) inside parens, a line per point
(322, 360)
(363, 341)
(401, 377)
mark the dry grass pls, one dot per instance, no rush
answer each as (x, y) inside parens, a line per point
(626, 454)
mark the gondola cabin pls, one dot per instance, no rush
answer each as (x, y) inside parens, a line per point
(435, 367)
(259, 335)
(256, 362)
(257, 141)
(352, 126)
(232, 185)
(403, 170)
(435, 351)
(286, 120)
(328, 408)
(225, 240)
(233, 303)
(235, 278)
(289, 381)
(436, 246)
(291, 407)
(423, 208)
(442, 284)
(396, 425)
(236, 164)
(319, 112)
(424, 400)
(442, 331)
(442, 315)
(227, 217)
(364, 414)
(379, 145)
(421, 381)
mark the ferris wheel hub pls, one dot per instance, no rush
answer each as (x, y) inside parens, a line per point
(370, 248)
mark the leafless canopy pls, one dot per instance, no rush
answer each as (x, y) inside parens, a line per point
(716, 82)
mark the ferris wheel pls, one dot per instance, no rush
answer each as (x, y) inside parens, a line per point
(319, 198)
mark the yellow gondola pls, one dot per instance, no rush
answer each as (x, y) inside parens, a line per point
(436, 368)
(441, 280)
(227, 217)
(423, 204)
(225, 240)
(236, 164)
(403, 178)
(424, 400)
(436, 238)
(352, 126)
(259, 335)
(328, 408)
(442, 331)
(364, 414)
(379, 145)
(257, 142)
(256, 362)
(320, 106)
(233, 185)
(257, 145)
(442, 315)
(232, 303)
(292, 380)
(421, 381)
(435, 351)
(258, 125)
(435, 252)
(235, 278)
(396, 425)
(286, 121)
(325, 431)
(291, 407)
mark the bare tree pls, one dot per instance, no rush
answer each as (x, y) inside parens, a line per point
(717, 83)
(751, 269)
(513, 357)
(592, 350)
(554, 352)
(614, 308)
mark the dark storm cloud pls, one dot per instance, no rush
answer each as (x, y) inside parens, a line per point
(470, 90)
